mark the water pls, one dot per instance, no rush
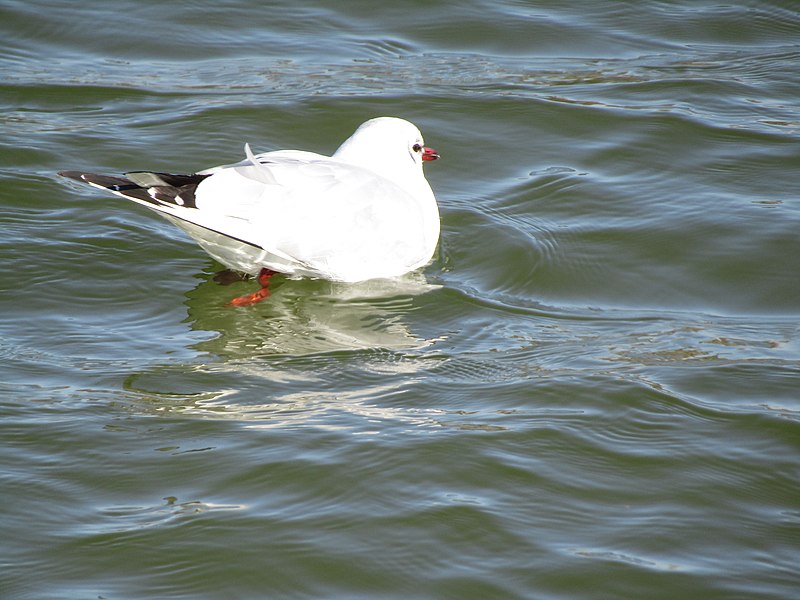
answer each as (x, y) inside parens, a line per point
(592, 392)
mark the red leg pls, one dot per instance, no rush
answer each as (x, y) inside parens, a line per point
(249, 299)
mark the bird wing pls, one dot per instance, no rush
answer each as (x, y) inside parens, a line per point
(296, 212)
(336, 219)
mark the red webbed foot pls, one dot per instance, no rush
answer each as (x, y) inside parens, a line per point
(262, 294)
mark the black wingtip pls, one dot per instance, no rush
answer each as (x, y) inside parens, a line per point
(145, 186)
(72, 175)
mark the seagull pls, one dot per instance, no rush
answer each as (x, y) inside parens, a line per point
(366, 212)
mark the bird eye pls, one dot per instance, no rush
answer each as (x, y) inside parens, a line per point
(416, 147)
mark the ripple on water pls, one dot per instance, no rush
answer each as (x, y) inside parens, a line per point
(597, 374)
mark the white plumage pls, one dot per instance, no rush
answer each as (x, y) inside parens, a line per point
(366, 212)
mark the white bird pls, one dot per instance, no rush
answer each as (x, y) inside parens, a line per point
(367, 212)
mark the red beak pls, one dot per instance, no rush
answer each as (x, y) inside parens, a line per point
(429, 154)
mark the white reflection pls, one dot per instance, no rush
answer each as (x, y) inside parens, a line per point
(307, 317)
(334, 356)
